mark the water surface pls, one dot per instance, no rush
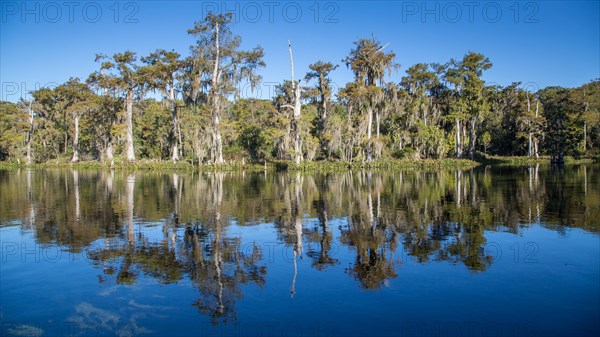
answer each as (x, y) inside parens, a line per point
(494, 251)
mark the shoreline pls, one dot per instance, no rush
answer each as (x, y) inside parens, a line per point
(312, 166)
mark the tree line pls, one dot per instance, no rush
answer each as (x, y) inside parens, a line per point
(435, 111)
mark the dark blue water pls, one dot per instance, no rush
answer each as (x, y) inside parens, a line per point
(487, 252)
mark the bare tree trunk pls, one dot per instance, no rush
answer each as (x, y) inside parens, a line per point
(529, 132)
(130, 153)
(464, 136)
(370, 122)
(296, 121)
(377, 122)
(217, 140)
(584, 136)
(109, 149)
(472, 137)
(179, 137)
(176, 145)
(175, 150)
(30, 133)
(535, 140)
(369, 134)
(323, 102)
(530, 145)
(216, 104)
(76, 139)
(176, 139)
(296, 113)
(323, 115)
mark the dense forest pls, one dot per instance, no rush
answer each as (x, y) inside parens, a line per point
(435, 111)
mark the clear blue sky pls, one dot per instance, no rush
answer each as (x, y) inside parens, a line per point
(543, 43)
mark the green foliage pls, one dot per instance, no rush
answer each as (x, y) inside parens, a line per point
(486, 139)
(253, 141)
(13, 128)
(152, 130)
(565, 128)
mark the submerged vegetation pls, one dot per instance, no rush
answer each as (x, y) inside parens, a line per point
(436, 111)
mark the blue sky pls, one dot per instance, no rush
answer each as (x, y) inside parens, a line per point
(541, 43)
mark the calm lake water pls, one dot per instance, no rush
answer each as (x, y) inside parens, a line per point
(494, 251)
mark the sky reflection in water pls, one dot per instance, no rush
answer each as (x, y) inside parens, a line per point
(491, 251)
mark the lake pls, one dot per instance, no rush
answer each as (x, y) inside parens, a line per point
(492, 251)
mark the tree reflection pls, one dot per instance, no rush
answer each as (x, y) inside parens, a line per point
(217, 264)
(323, 235)
(430, 217)
(371, 238)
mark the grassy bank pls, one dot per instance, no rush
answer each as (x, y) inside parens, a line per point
(386, 165)
(524, 161)
(316, 166)
(269, 166)
(141, 165)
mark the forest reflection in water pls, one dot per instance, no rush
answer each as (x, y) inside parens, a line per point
(175, 227)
